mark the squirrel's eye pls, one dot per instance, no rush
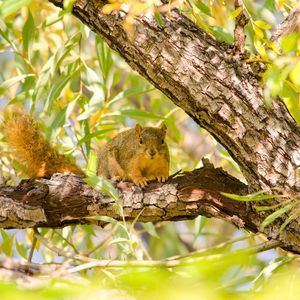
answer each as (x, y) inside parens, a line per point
(162, 141)
(141, 141)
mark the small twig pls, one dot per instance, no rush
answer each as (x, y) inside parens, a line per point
(167, 263)
(217, 247)
(69, 243)
(175, 174)
(105, 241)
(61, 252)
(241, 22)
(34, 241)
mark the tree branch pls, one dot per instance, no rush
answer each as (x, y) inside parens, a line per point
(289, 25)
(241, 22)
(218, 90)
(65, 199)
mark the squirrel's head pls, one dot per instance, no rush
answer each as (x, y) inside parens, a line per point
(151, 140)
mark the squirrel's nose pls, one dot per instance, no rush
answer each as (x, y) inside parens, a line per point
(152, 152)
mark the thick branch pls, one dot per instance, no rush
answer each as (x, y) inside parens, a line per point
(202, 76)
(65, 199)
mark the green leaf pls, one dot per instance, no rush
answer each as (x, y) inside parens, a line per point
(202, 7)
(50, 68)
(270, 269)
(221, 34)
(10, 82)
(293, 216)
(270, 5)
(97, 133)
(258, 33)
(134, 91)
(269, 219)
(289, 42)
(105, 60)
(200, 223)
(56, 89)
(102, 185)
(103, 219)
(61, 117)
(259, 46)
(68, 5)
(290, 96)
(295, 74)
(57, 17)
(159, 19)
(138, 113)
(7, 243)
(149, 227)
(91, 169)
(8, 7)
(235, 13)
(21, 250)
(28, 33)
(259, 196)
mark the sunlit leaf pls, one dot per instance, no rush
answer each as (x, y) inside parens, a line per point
(28, 32)
(272, 217)
(235, 13)
(21, 250)
(205, 9)
(91, 169)
(221, 34)
(8, 7)
(295, 74)
(10, 82)
(259, 196)
(289, 42)
(262, 24)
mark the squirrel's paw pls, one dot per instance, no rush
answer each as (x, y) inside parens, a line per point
(141, 181)
(117, 178)
(162, 178)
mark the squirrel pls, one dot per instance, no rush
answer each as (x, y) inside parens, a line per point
(139, 154)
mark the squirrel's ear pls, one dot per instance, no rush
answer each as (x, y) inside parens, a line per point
(163, 128)
(138, 129)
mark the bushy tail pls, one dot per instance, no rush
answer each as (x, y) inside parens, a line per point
(30, 147)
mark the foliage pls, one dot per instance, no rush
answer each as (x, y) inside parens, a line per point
(83, 93)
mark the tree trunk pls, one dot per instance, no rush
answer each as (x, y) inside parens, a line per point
(216, 88)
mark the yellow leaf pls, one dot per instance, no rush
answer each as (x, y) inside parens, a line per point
(295, 74)
(108, 8)
(258, 32)
(262, 24)
(259, 47)
(235, 13)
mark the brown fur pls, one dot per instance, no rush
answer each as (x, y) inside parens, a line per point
(138, 154)
(31, 148)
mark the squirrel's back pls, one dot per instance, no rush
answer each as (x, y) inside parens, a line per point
(30, 147)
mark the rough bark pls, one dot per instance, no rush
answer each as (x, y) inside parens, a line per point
(289, 25)
(205, 78)
(65, 199)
